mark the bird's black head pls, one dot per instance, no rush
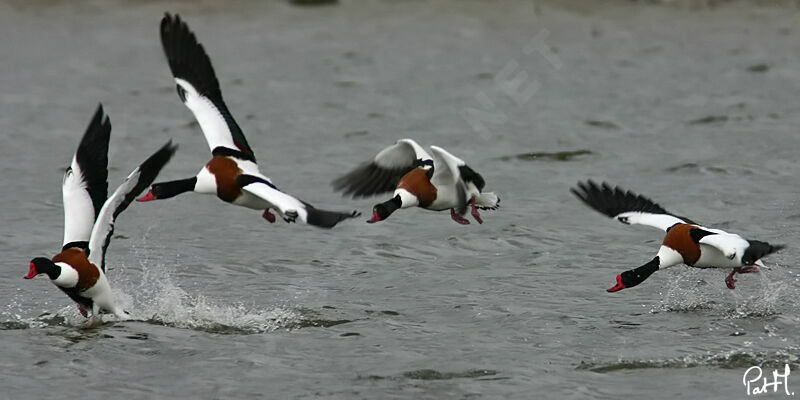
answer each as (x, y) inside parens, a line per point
(633, 277)
(381, 211)
(165, 190)
(41, 265)
(758, 250)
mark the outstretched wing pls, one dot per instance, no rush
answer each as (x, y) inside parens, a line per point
(85, 185)
(288, 204)
(447, 173)
(139, 179)
(198, 87)
(625, 206)
(382, 173)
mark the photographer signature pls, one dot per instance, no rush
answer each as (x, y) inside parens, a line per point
(753, 375)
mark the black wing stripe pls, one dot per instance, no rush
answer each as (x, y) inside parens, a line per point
(226, 152)
(244, 180)
(81, 244)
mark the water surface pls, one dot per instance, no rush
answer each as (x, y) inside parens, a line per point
(696, 108)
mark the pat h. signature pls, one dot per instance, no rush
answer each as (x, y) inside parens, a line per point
(752, 380)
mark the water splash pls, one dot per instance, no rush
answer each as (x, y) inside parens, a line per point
(159, 300)
(154, 298)
(757, 295)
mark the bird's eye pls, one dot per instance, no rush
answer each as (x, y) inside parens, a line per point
(624, 220)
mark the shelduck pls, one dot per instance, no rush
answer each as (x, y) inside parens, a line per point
(436, 183)
(685, 242)
(79, 269)
(232, 173)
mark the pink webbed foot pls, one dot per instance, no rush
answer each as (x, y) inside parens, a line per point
(747, 270)
(475, 213)
(730, 281)
(739, 270)
(93, 321)
(461, 220)
(268, 216)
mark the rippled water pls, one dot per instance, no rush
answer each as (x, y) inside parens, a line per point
(694, 107)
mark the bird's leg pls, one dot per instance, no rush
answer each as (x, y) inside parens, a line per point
(461, 220)
(747, 270)
(730, 281)
(82, 311)
(92, 322)
(290, 216)
(268, 216)
(740, 270)
(475, 213)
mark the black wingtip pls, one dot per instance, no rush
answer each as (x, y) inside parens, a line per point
(100, 116)
(612, 201)
(148, 171)
(187, 58)
(150, 168)
(92, 157)
(367, 180)
(159, 159)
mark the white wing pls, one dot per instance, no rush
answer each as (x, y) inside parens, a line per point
(139, 179)
(402, 154)
(660, 221)
(625, 206)
(446, 173)
(290, 207)
(85, 185)
(382, 173)
(730, 244)
(281, 201)
(445, 167)
(199, 88)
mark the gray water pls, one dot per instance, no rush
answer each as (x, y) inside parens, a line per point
(692, 106)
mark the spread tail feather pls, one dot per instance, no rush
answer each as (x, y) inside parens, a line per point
(487, 201)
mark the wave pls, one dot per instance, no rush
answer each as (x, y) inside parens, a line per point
(728, 360)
